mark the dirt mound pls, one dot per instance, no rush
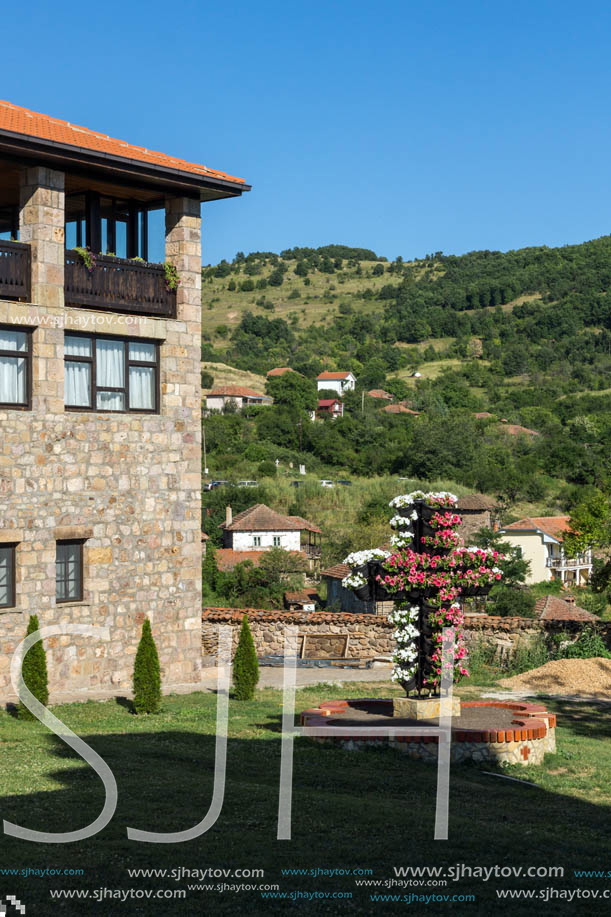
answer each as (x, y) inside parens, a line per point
(566, 676)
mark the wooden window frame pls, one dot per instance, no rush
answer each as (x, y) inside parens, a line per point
(27, 356)
(80, 542)
(12, 545)
(127, 363)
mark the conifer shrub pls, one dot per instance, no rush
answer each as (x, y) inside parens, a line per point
(147, 676)
(245, 665)
(34, 671)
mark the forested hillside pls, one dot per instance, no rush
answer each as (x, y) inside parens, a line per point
(524, 336)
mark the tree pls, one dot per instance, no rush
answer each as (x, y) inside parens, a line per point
(245, 665)
(292, 391)
(209, 567)
(508, 602)
(147, 675)
(276, 278)
(34, 672)
(590, 524)
(514, 567)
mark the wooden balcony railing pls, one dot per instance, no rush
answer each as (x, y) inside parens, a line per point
(119, 286)
(15, 270)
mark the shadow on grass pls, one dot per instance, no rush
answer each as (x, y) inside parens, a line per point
(370, 809)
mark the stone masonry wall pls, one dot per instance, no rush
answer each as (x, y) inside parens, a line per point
(127, 483)
(367, 636)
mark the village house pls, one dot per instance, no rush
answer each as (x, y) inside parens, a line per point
(540, 540)
(100, 399)
(330, 407)
(341, 599)
(258, 529)
(477, 512)
(238, 395)
(336, 382)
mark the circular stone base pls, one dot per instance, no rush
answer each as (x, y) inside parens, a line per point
(497, 731)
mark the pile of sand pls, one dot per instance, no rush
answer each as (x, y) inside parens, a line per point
(566, 676)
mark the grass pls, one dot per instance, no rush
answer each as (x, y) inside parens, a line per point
(372, 810)
(319, 301)
(229, 375)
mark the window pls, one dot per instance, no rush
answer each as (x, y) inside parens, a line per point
(7, 575)
(256, 540)
(69, 571)
(15, 374)
(277, 540)
(110, 374)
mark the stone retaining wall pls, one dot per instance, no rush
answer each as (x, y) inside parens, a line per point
(356, 636)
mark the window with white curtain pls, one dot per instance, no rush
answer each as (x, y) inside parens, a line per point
(15, 354)
(69, 571)
(7, 575)
(110, 374)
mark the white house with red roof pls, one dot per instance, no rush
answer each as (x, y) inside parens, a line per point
(219, 398)
(336, 382)
(332, 407)
(540, 540)
(258, 529)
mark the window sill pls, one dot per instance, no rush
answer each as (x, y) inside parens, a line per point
(70, 604)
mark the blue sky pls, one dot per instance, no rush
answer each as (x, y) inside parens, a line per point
(405, 127)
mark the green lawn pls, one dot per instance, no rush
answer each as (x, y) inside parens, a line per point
(372, 810)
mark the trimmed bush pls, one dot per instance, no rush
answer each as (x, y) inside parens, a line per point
(34, 672)
(147, 677)
(245, 665)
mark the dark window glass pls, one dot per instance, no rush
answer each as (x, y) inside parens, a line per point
(110, 374)
(7, 575)
(14, 367)
(69, 571)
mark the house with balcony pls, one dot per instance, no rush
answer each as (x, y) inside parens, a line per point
(540, 540)
(236, 395)
(329, 407)
(100, 398)
(259, 528)
(339, 382)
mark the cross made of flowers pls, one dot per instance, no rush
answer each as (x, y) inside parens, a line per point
(427, 574)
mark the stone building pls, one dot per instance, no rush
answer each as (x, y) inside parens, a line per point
(100, 399)
(478, 512)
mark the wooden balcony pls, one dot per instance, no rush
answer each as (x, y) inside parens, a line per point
(118, 285)
(15, 270)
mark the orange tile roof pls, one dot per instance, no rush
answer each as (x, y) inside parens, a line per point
(551, 525)
(18, 120)
(482, 415)
(260, 518)
(280, 371)
(400, 409)
(303, 597)
(476, 502)
(338, 571)
(553, 608)
(227, 558)
(514, 429)
(380, 393)
(332, 375)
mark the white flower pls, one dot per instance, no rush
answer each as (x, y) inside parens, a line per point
(354, 581)
(401, 540)
(442, 497)
(398, 522)
(358, 558)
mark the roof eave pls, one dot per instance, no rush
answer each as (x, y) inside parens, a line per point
(120, 168)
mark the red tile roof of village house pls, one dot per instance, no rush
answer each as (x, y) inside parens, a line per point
(553, 608)
(327, 402)
(260, 518)
(303, 597)
(476, 502)
(380, 393)
(482, 415)
(326, 375)
(239, 391)
(19, 120)
(551, 525)
(514, 429)
(338, 571)
(280, 371)
(227, 558)
(400, 409)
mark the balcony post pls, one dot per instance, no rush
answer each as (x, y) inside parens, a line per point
(41, 224)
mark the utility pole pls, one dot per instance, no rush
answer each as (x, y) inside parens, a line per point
(204, 444)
